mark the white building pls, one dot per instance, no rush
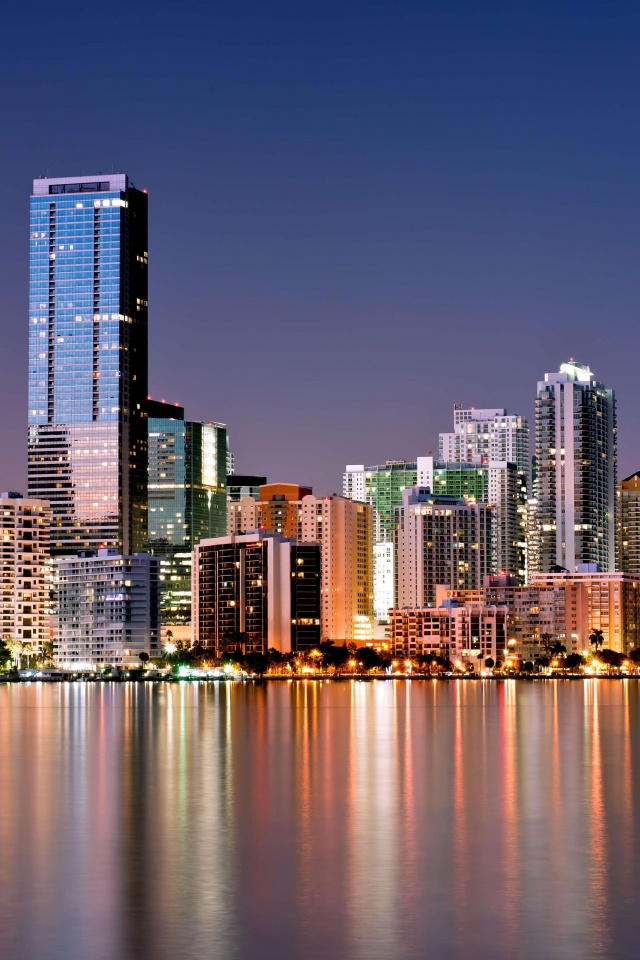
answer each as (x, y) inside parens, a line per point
(483, 435)
(108, 609)
(383, 580)
(440, 541)
(25, 574)
(576, 450)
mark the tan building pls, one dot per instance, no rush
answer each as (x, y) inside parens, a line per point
(470, 632)
(344, 529)
(568, 606)
(276, 510)
(25, 572)
(628, 519)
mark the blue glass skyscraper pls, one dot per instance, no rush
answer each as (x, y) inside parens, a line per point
(88, 360)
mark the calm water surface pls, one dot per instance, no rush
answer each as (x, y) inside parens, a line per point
(380, 821)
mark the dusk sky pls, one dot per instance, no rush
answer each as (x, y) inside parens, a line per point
(360, 213)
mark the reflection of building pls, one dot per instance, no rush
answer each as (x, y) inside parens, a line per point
(344, 529)
(255, 591)
(88, 360)
(628, 545)
(24, 574)
(576, 469)
(470, 633)
(440, 540)
(241, 485)
(568, 607)
(187, 497)
(108, 609)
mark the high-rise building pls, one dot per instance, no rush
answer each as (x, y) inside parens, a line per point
(440, 540)
(187, 497)
(108, 609)
(628, 539)
(483, 435)
(240, 485)
(493, 436)
(576, 470)
(25, 578)
(88, 360)
(255, 591)
(343, 528)
(382, 486)
(490, 481)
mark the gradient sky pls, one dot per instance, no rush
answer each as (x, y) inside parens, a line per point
(360, 213)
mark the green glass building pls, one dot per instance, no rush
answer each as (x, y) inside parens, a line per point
(187, 498)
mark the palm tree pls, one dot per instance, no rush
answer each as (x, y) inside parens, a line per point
(48, 653)
(18, 649)
(596, 639)
(547, 642)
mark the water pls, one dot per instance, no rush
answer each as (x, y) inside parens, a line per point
(374, 821)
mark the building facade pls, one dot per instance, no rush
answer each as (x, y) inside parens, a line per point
(241, 485)
(576, 449)
(483, 435)
(108, 609)
(187, 498)
(256, 591)
(566, 607)
(24, 570)
(493, 482)
(628, 520)
(466, 633)
(87, 444)
(440, 541)
(344, 530)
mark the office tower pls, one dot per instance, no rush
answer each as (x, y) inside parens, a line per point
(108, 609)
(241, 485)
(468, 632)
(88, 360)
(24, 571)
(440, 540)
(276, 508)
(255, 591)
(628, 539)
(187, 497)
(576, 470)
(344, 529)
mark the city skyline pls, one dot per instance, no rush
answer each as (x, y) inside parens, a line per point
(493, 219)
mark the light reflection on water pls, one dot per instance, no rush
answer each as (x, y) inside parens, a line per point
(371, 821)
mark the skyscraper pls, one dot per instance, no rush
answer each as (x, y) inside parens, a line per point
(440, 540)
(187, 497)
(484, 436)
(88, 360)
(628, 539)
(343, 528)
(576, 470)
